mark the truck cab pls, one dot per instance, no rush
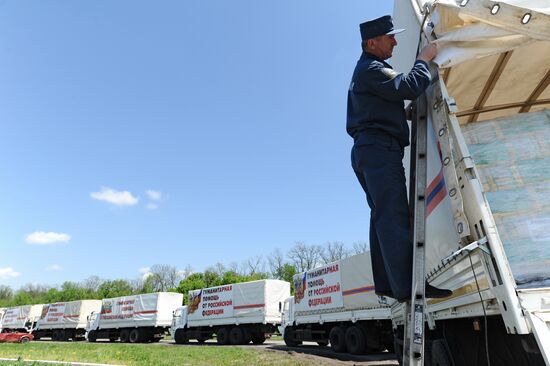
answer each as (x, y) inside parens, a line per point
(179, 320)
(287, 314)
(93, 322)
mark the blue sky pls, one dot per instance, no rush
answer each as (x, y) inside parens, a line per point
(173, 132)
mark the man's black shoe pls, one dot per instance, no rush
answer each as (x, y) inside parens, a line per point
(431, 292)
(384, 293)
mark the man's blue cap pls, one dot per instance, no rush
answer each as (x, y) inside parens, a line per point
(378, 27)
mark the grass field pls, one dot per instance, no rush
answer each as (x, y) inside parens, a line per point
(146, 354)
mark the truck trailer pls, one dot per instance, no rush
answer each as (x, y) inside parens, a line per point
(336, 304)
(62, 321)
(21, 318)
(134, 318)
(237, 313)
(486, 221)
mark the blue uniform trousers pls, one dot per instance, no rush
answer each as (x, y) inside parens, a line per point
(377, 161)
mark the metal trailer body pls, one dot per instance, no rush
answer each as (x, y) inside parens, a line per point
(62, 321)
(336, 304)
(487, 203)
(236, 313)
(134, 318)
(21, 318)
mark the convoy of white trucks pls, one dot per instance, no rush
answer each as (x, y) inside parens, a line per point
(134, 318)
(235, 314)
(336, 304)
(486, 224)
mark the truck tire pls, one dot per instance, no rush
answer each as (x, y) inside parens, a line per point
(337, 338)
(55, 335)
(356, 341)
(92, 337)
(258, 338)
(222, 336)
(439, 353)
(135, 336)
(288, 337)
(322, 343)
(124, 335)
(181, 337)
(236, 336)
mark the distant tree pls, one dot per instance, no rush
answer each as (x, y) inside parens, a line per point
(164, 277)
(212, 278)
(334, 251)
(6, 293)
(360, 247)
(254, 265)
(276, 261)
(91, 284)
(114, 288)
(305, 257)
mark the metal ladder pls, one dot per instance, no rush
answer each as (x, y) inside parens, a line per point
(413, 332)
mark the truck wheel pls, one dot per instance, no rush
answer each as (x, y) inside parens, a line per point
(124, 334)
(356, 340)
(92, 337)
(322, 343)
(55, 335)
(134, 336)
(236, 335)
(337, 338)
(222, 336)
(258, 338)
(288, 337)
(440, 353)
(181, 337)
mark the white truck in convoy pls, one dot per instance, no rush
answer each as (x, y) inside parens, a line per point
(236, 313)
(21, 318)
(487, 198)
(134, 318)
(336, 303)
(62, 321)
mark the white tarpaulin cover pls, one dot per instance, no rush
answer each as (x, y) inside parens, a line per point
(346, 284)
(17, 317)
(494, 59)
(68, 315)
(240, 300)
(147, 310)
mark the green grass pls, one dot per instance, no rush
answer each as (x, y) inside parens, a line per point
(147, 354)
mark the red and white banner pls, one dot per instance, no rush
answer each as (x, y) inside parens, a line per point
(319, 288)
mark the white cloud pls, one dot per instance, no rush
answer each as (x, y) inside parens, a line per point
(118, 198)
(43, 238)
(54, 267)
(154, 195)
(145, 272)
(8, 272)
(152, 206)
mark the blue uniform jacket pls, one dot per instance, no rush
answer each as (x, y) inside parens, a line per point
(376, 96)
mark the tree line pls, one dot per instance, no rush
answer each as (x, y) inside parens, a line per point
(161, 277)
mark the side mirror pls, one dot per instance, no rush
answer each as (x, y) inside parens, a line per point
(280, 306)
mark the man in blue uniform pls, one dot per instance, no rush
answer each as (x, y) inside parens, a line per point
(377, 121)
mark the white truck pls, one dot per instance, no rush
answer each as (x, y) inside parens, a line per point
(134, 318)
(236, 313)
(487, 197)
(62, 321)
(21, 318)
(336, 303)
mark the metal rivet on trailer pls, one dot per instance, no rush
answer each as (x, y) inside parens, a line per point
(452, 192)
(446, 161)
(526, 18)
(460, 228)
(495, 9)
(464, 2)
(441, 132)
